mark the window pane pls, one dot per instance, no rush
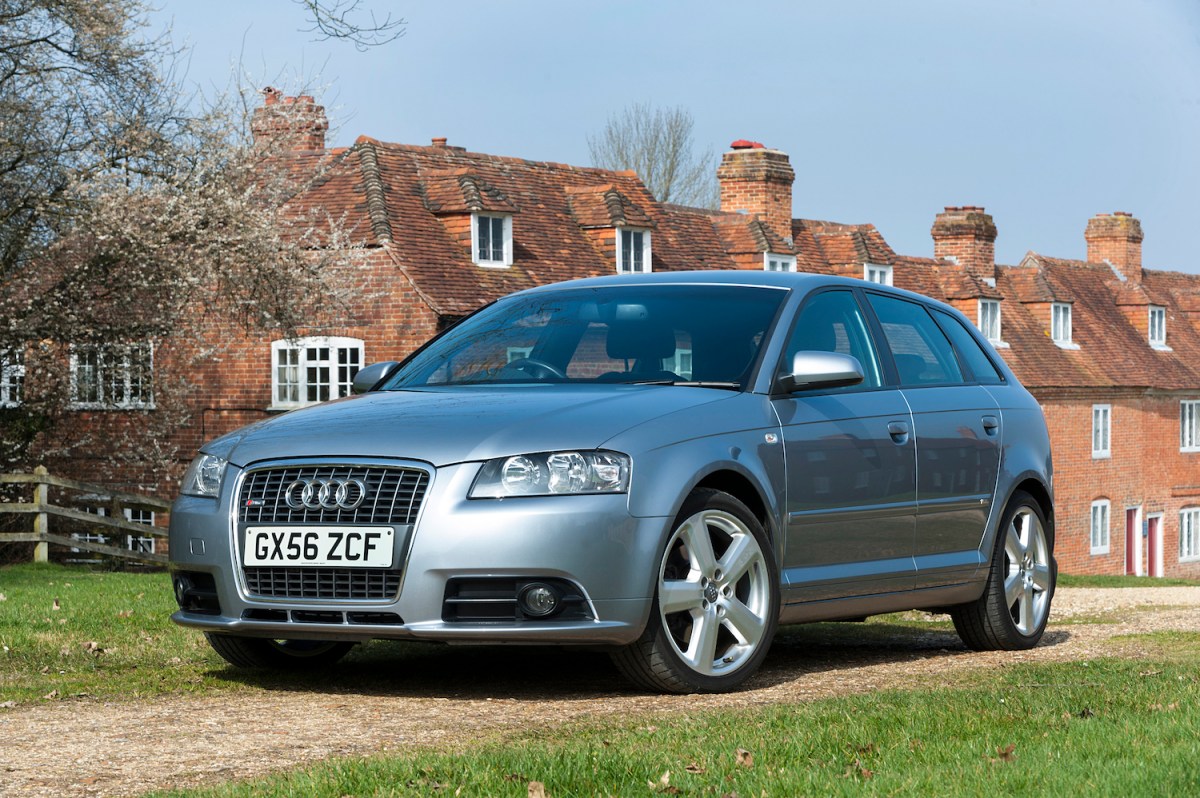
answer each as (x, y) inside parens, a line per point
(922, 353)
(968, 348)
(832, 322)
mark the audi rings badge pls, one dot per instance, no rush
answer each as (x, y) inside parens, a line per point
(325, 494)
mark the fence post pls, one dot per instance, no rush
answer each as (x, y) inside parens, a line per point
(41, 521)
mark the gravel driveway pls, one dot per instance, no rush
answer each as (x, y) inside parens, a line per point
(88, 748)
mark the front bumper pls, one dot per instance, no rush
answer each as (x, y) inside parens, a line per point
(589, 543)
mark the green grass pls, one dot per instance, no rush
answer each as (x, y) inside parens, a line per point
(1108, 727)
(1076, 580)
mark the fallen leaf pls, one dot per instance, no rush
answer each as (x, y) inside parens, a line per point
(1143, 673)
(696, 768)
(537, 790)
(45, 670)
(125, 614)
(7, 704)
(55, 605)
(51, 695)
(744, 758)
(1086, 712)
(3, 597)
(1006, 753)
(92, 647)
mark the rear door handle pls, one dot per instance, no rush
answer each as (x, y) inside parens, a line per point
(898, 430)
(990, 424)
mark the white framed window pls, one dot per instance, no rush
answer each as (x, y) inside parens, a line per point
(12, 377)
(1101, 431)
(778, 263)
(875, 273)
(1100, 512)
(633, 251)
(491, 240)
(1189, 534)
(1158, 327)
(112, 376)
(142, 543)
(311, 370)
(1189, 426)
(989, 319)
(1060, 325)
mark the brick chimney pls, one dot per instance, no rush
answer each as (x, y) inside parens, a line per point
(968, 236)
(290, 124)
(1116, 238)
(758, 181)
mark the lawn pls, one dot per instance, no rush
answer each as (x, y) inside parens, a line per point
(1103, 727)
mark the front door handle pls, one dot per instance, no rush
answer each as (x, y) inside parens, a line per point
(898, 430)
(990, 424)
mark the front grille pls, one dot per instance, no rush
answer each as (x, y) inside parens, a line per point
(323, 583)
(393, 496)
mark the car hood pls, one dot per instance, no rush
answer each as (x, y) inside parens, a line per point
(444, 426)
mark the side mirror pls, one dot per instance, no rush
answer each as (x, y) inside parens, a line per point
(368, 378)
(812, 370)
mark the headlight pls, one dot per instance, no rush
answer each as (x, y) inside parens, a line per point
(552, 473)
(204, 475)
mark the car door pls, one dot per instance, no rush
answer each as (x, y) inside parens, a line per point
(850, 464)
(956, 424)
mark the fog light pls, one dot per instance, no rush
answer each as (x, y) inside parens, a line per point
(182, 586)
(539, 600)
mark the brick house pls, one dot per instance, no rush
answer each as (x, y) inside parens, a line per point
(1110, 349)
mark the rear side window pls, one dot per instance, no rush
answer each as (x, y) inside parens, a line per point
(969, 350)
(921, 350)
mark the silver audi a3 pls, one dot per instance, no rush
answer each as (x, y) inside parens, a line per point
(668, 465)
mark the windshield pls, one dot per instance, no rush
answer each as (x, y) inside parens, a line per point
(706, 334)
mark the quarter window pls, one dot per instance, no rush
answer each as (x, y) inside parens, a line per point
(633, 251)
(921, 350)
(112, 375)
(1189, 534)
(989, 319)
(969, 350)
(312, 370)
(1060, 323)
(875, 273)
(12, 377)
(1189, 426)
(492, 237)
(1100, 526)
(1101, 431)
(779, 263)
(1158, 327)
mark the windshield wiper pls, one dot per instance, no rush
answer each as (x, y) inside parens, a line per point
(730, 386)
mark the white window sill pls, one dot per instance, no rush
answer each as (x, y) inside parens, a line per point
(277, 408)
(1101, 455)
(102, 406)
(1066, 345)
(1098, 552)
(492, 264)
(1161, 348)
(1193, 558)
(999, 344)
(1189, 449)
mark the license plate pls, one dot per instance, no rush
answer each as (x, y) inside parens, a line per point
(343, 546)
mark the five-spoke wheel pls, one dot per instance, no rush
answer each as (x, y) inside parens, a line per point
(717, 601)
(1015, 605)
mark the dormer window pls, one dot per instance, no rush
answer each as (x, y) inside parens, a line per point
(633, 251)
(875, 273)
(492, 240)
(1060, 325)
(989, 319)
(1158, 327)
(779, 263)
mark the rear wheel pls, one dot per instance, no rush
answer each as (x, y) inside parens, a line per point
(716, 602)
(262, 652)
(1015, 605)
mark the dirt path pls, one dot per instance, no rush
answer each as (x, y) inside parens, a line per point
(446, 699)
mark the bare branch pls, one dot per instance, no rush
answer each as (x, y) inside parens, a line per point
(342, 19)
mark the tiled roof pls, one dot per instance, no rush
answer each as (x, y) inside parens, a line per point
(605, 206)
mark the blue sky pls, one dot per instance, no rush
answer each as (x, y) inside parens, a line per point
(1046, 112)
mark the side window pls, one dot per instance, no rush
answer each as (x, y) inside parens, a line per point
(922, 352)
(969, 350)
(832, 322)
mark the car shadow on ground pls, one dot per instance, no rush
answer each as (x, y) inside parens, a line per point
(551, 673)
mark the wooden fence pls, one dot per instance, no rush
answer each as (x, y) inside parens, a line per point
(79, 494)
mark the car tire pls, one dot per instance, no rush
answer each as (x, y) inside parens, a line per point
(291, 655)
(716, 602)
(1011, 614)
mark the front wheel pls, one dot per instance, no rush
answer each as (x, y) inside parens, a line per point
(1012, 612)
(291, 655)
(716, 602)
